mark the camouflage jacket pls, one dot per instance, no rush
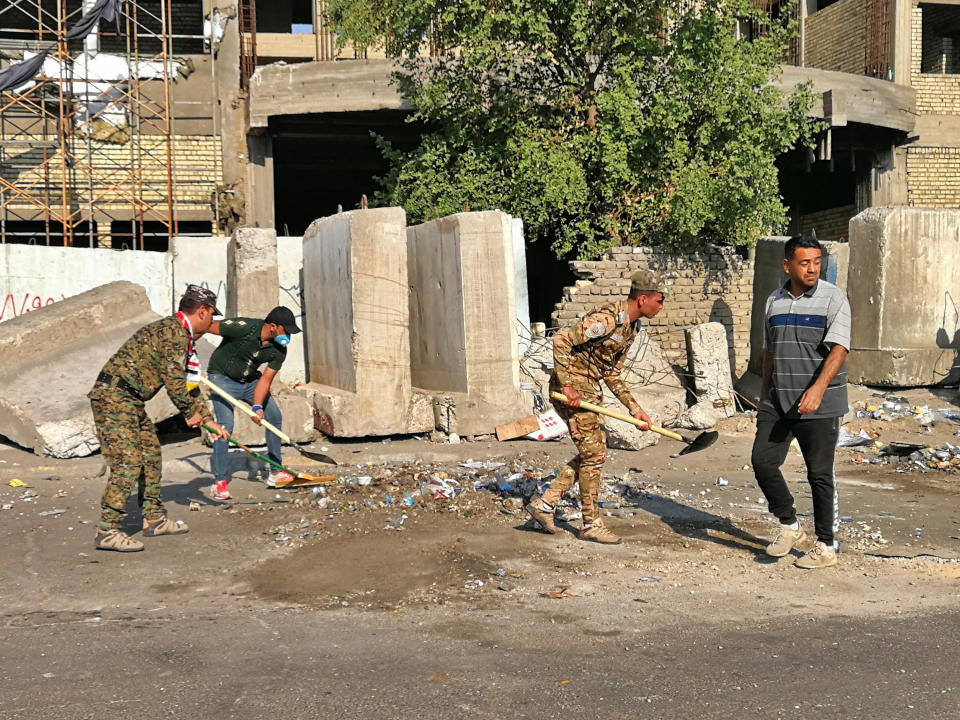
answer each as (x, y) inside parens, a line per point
(594, 349)
(155, 356)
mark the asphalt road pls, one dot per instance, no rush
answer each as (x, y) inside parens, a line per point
(249, 662)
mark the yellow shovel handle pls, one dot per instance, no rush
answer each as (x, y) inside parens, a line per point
(243, 407)
(619, 416)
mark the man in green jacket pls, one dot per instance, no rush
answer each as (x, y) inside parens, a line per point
(247, 344)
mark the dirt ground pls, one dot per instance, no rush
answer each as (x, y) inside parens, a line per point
(692, 555)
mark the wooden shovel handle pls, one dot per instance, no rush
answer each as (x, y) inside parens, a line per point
(619, 416)
(243, 407)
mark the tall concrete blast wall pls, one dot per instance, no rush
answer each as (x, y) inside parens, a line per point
(463, 317)
(358, 324)
(903, 283)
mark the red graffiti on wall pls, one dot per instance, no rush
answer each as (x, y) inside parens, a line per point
(11, 308)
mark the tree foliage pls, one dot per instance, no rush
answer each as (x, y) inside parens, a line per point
(597, 123)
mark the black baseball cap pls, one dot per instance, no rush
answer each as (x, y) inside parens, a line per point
(283, 316)
(203, 296)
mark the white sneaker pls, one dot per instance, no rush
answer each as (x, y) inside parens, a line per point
(279, 478)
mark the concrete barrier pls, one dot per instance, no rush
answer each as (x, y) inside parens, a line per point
(463, 317)
(358, 326)
(906, 329)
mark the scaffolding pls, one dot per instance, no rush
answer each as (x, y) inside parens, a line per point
(86, 148)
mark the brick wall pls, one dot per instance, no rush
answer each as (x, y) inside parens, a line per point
(832, 224)
(933, 173)
(836, 37)
(197, 171)
(714, 286)
(933, 177)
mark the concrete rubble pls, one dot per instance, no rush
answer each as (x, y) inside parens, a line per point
(49, 360)
(709, 357)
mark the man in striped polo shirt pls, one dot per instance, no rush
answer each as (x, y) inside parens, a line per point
(803, 395)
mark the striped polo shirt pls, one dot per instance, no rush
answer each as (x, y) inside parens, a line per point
(800, 332)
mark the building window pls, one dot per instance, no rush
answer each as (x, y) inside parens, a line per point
(940, 39)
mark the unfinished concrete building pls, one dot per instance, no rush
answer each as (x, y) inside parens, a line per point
(888, 75)
(253, 116)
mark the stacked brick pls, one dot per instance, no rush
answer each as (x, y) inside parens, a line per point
(832, 224)
(123, 175)
(712, 286)
(836, 36)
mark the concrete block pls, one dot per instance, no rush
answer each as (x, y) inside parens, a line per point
(709, 357)
(358, 324)
(768, 275)
(463, 317)
(50, 358)
(906, 330)
(252, 273)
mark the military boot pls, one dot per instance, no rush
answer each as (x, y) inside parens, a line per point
(538, 511)
(598, 532)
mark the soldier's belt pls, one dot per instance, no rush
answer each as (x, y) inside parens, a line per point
(118, 382)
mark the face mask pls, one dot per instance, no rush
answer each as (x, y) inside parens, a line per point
(282, 340)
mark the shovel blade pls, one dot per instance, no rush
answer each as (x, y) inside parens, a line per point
(700, 442)
(317, 457)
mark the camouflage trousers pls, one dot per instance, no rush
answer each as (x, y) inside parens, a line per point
(586, 430)
(128, 441)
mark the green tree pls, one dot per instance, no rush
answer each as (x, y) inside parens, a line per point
(598, 123)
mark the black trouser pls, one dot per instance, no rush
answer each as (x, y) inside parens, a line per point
(818, 442)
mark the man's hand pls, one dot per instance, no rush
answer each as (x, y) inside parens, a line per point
(640, 415)
(257, 417)
(220, 432)
(810, 402)
(572, 395)
(195, 420)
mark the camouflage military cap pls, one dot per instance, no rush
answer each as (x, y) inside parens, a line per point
(203, 296)
(647, 280)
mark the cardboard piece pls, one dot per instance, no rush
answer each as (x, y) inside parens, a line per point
(518, 428)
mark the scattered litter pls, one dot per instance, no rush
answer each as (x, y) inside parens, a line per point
(6, 506)
(361, 481)
(473, 584)
(847, 439)
(17, 482)
(194, 507)
(482, 464)
(499, 572)
(396, 523)
(52, 513)
(559, 594)
(722, 481)
(282, 538)
(650, 579)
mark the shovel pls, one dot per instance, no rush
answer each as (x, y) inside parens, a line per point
(243, 407)
(700, 442)
(299, 478)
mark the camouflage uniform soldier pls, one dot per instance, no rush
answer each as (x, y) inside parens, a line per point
(584, 354)
(155, 356)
